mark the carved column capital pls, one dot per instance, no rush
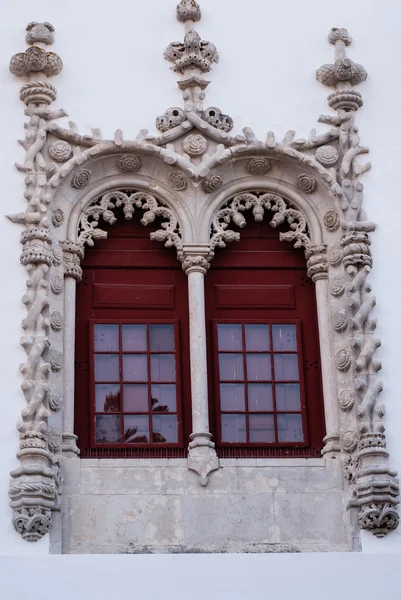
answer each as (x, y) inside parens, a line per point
(317, 264)
(196, 258)
(73, 254)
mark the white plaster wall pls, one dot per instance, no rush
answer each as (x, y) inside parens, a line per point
(115, 77)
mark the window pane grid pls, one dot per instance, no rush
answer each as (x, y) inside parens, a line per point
(268, 420)
(122, 420)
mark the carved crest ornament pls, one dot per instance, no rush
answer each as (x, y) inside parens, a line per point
(198, 179)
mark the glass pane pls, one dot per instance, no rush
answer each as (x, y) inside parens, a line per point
(136, 429)
(230, 337)
(232, 396)
(135, 367)
(284, 338)
(136, 398)
(108, 429)
(161, 338)
(233, 428)
(162, 367)
(107, 398)
(288, 396)
(231, 367)
(286, 367)
(290, 428)
(134, 338)
(165, 429)
(258, 367)
(106, 338)
(257, 338)
(164, 398)
(106, 367)
(261, 428)
(260, 396)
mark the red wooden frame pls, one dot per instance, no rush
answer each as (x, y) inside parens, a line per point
(122, 413)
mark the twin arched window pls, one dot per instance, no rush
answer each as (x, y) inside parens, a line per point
(133, 391)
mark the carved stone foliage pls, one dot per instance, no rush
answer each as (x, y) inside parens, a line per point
(215, 117)
(105, 206)
(259, 203)
(194, 52)
(171, 118)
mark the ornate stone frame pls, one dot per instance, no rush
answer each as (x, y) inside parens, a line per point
(198, 179)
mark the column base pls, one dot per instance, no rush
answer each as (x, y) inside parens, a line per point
(202, 457)
(70, 448)
(332, 446)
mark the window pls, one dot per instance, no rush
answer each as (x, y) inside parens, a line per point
(135, 383)
(132, 348)
(259, 399)
(263, 351)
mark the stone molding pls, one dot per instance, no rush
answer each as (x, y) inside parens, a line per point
(313, 186)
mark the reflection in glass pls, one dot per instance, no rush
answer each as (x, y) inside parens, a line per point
(163, 398)
(257, 338)
(135, 367)
(106, 367)
(136, 429)
(162, 367)
(286, 367)
(106, 338)
(134, 338)
(260, 397)
(165, 429)
(230, 337)
(232, 397)
(107, 398)
(258, 367)
(290, 428)
(288, 396)
(135, 398)
(284, 338)
(231, 367)
(161, 338)
(108, 429)
(261, 428)
(233, 428)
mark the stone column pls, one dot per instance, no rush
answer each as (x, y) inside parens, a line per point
(318, 271)
(202, 456)
(73, 253)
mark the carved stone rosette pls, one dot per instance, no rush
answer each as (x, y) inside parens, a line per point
(317, 205)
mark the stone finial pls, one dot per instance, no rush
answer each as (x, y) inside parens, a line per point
(39, 32)
(188, 10)
(343, 74)
(35, 59)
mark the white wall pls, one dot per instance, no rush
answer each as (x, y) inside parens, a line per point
(115, 77)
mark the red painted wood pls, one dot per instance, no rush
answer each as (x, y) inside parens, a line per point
(237, 290)
(128, 278)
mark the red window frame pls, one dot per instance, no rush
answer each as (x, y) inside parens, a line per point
(273, 381)
(121, 382)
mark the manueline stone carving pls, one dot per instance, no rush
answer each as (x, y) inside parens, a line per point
(195, 145)
(259, 202)
(129, 163)
(80, 179)
(54, 440)
(212, 182)
(54, 154)
(178, 181)
(306, 183)
(172, 118)
(259, 166)
(60, 151)
(331, 220)
(217, 119)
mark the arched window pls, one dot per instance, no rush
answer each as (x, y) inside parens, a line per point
(263, 348)
(132, 369)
